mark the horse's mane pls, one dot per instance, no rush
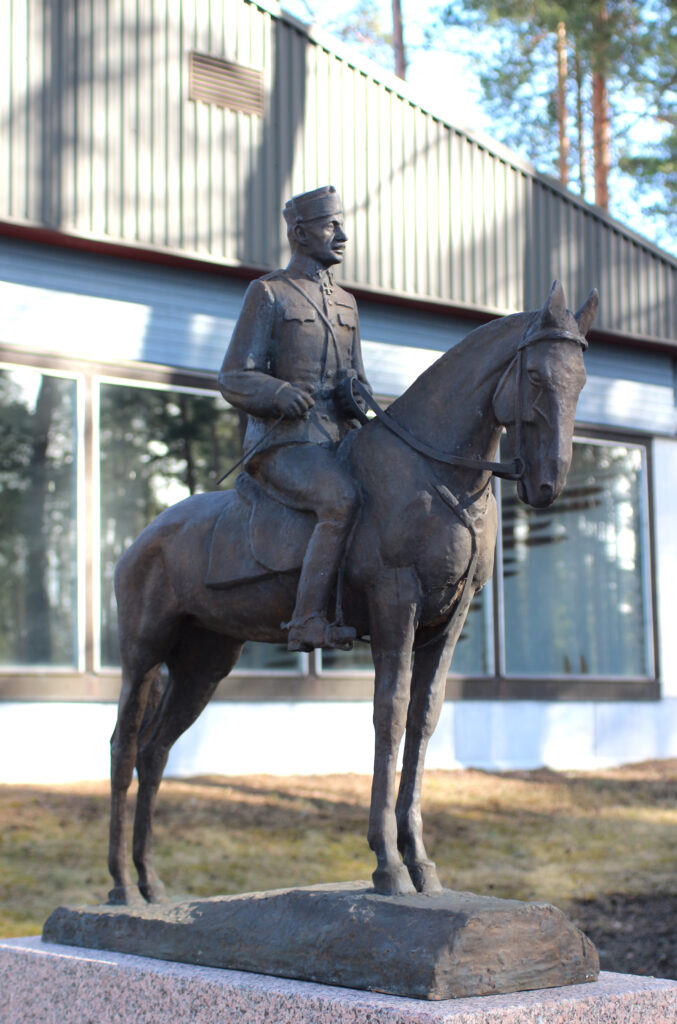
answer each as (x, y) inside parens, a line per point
(485, 350)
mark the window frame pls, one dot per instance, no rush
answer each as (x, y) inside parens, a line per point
(117, 381)
(92, 682)
(600, 439)
(80, 462)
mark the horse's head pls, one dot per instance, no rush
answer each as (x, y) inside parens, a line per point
(536, 398)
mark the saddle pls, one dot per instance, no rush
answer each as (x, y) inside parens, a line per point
(271, 538)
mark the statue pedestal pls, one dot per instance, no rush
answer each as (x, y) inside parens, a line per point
(446, 945)
(48, 984)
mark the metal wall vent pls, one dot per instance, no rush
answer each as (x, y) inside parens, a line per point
(225, 84)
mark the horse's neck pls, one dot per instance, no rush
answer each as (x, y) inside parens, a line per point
(450, 405)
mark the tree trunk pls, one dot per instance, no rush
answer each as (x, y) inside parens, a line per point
(601, 139)
(398, 41)
(38, 632)
(580, 126)
(190, 479)
(562, 103)
(601, 123)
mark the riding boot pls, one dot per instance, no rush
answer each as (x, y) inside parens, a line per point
(310, 627)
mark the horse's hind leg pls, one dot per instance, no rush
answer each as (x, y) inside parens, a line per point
(136, 685)
(196, 666)
(429, 676)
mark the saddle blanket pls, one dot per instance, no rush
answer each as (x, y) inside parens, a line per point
(256, 536)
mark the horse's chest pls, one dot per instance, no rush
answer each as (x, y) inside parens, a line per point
(457, 548)
(427, 534)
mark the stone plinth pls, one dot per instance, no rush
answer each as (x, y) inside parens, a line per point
(440, 946)
(48, 984)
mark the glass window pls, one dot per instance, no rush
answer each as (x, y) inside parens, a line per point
(472, 656)
(474, 651)
(38, 547)
(575, 576)
(157, 447)
(357, 660)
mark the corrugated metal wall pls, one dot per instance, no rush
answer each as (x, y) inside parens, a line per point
(99, 138)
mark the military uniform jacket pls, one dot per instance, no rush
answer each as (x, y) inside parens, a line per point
(297, 326)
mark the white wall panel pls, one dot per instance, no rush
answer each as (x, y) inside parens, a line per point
(665, 542)
(57, 743)
(59, 301)
(91, 306)
(626, 732)
(628, 404)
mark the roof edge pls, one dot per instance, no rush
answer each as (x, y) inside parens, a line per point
(412, 95)
(206, 264)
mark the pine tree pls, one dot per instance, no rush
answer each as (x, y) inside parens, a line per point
(572, 76)
(363, 28)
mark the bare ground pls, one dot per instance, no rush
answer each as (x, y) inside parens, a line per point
(600, 845)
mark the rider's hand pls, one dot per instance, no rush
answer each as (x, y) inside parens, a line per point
(291, 401)
(346, 399)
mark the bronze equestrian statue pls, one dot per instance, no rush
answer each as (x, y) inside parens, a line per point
(419, 540)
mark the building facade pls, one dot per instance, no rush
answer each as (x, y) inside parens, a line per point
(145, 162)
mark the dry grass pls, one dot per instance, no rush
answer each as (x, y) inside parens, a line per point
(602, 845)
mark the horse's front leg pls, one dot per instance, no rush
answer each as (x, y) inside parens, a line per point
(393, 608)
(431, 665)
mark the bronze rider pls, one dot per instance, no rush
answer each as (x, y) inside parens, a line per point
(296, 341)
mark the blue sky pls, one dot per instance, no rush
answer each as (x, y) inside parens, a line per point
(446, 82)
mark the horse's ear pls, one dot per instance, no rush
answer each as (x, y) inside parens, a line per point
(588, 312)
(555, 307)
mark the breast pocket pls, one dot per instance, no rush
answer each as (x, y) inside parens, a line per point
(300, 342)
(346, 316)
(304, 314)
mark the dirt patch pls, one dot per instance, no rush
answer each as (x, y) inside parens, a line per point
(633, 934)
(600, 845)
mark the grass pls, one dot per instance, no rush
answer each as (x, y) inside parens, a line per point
(602, 846)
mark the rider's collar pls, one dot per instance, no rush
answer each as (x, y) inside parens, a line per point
(313, 269)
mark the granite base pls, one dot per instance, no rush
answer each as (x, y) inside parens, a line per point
(50, 984)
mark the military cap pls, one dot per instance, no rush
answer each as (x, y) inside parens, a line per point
(321, 202)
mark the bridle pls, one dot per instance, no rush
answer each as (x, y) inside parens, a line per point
(522, 381)
(512, 470)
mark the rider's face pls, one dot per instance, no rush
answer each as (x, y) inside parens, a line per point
(323, 239)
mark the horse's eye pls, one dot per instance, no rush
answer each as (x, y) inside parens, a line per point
(534, 377)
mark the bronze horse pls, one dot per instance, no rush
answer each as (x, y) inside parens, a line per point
(427, 524)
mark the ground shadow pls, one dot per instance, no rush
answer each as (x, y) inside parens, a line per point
(634, 934)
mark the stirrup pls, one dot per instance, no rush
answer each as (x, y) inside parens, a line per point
(316, 631)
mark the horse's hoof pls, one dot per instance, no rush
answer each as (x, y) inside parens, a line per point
(154, 892)
(392, 883)
(124, 896)
(424, 877)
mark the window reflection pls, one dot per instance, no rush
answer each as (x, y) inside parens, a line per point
(574, 574)
(157, 447)
(471, 657)
(38, 553)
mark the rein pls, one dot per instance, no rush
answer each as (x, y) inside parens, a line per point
(513, 470)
